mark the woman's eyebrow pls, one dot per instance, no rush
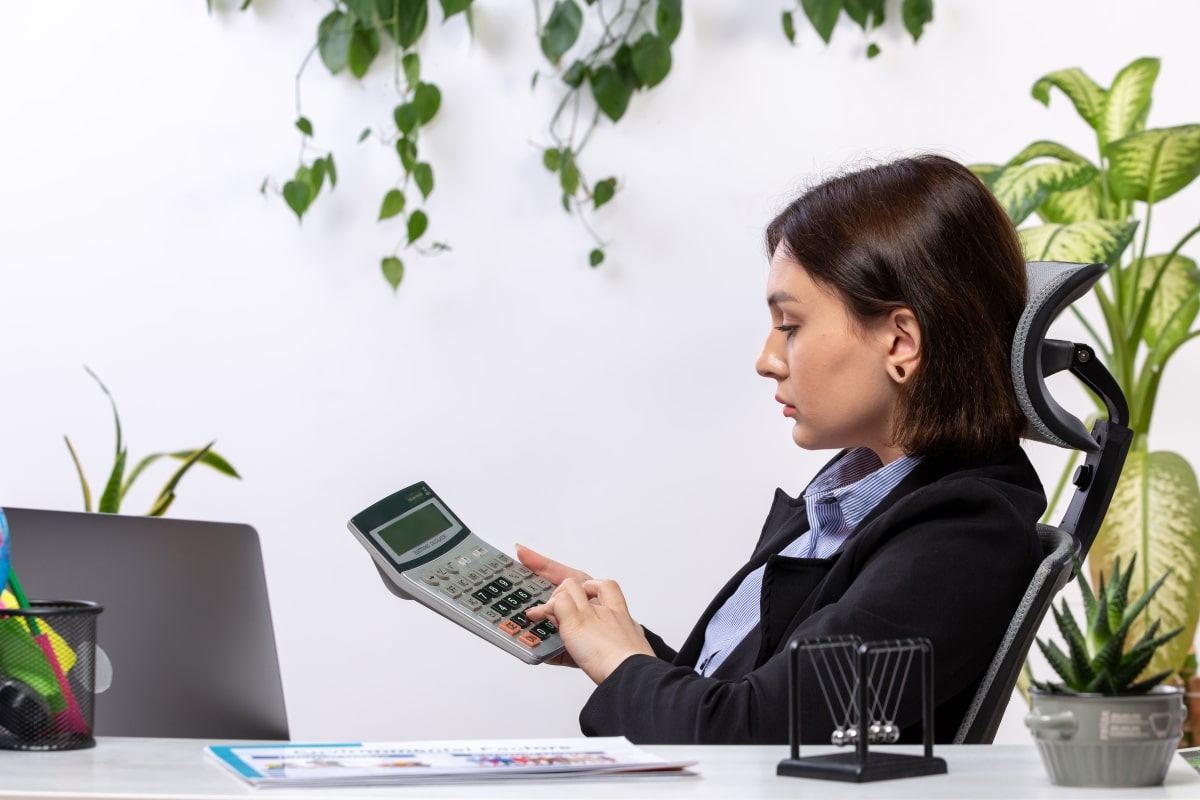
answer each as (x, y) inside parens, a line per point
(776, 298)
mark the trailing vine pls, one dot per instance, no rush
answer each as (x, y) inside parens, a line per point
(621, 47)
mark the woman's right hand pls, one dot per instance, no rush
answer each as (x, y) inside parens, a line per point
(551, 570)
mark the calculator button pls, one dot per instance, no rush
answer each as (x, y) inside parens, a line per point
(479, 552)
(513, 578)
(503, 583)
(548, 625)
(483, 570)
(509, 627)
(540, 583)
(522, 570)
(481, 596)
(475, 577)
(493, 589)
(505, 560)
(523, 595)
(528, 639)
(494, 565)
(521, 619)
(514, 602)
(451, 566)
(501, 608)
(490, 615)
(541, 631)
(471, 602)
(451, 590)
(463, 584)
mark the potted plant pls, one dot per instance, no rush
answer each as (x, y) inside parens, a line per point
(1104, 724)
(1100, 209)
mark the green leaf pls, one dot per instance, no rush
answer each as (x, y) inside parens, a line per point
(417, 223)
(872, 50)
(407, 117)
(867, 14)
(452, 7)
(1078, 205)
(331, 171)
(167, 495)
(404, 20)
(1127, 101)
(304, 126)
(1175, 303)
(651, 59)
(552, 158)
(576, 74)
(87, 491)
(568, 176)
(315, 175)
(333, 40)
(1155, 513)
(112, 402)
(916, 14)
(412, 68)
(1093, 241)
(789, 26)
(393, 204)
(393, 271)
(1087, 96)
(823, 15)
(1047, 149)
(1023, 187)
(595, 257)
(561, 30)
(604, 191)
(427, 99)
(110, 499)
(1153, 165)
(407, 150)
(362, 137)
(611, 91)
(363, 10)
(298, 196)
(668, 19)
(364, 46)
(423, 174)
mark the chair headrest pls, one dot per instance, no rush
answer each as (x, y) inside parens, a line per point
(1053, 285)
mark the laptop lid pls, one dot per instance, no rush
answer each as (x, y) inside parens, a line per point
(186, 623)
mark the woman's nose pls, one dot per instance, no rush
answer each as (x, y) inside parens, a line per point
(769, 363)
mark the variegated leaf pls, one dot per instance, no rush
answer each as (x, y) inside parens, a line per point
(986, 172)
(1088, 242)
(1128, 101)
(1176, 292)
(1047, 149)
(1155, 514)
(1153, 165)
(1087, 96)
(1077, 205)
(1022, 188)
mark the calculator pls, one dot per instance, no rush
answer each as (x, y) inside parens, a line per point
(424, 552)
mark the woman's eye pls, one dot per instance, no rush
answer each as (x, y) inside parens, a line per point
(788, 329)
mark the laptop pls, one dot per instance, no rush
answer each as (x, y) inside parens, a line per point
(186, 623)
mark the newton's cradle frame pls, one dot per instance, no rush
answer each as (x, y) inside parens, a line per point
(865, 683)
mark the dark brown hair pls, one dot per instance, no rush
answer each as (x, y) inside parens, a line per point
(926, 234)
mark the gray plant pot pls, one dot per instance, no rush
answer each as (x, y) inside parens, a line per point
(1095, 740)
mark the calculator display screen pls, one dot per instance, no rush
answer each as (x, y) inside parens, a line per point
(417, 531)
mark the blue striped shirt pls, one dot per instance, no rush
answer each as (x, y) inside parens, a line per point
(836, 501)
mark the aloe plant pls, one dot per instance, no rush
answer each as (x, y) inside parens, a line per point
(1097, 661)
(1101, 209)
(118, 483)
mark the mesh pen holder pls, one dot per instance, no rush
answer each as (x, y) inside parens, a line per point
(47, 675)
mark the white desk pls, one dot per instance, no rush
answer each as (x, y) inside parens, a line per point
(177, 769)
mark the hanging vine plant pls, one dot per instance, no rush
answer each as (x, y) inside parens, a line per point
(601, 53)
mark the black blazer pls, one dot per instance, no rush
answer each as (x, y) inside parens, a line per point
(946, 555)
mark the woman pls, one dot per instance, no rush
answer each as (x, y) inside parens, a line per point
(894, 293)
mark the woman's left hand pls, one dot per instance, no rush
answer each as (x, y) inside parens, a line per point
(594, 624)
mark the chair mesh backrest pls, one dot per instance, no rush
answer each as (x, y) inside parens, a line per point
(1052, 574)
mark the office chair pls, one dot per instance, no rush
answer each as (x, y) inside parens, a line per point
(1053, 286)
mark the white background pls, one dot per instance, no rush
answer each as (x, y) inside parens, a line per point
(610, 417)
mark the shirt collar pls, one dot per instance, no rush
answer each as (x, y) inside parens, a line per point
(858, 481)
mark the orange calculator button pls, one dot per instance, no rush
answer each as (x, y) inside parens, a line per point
(509, 627)
(529, 639)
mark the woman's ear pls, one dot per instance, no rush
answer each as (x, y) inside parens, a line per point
(904, 344)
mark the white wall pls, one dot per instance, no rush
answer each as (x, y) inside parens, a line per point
(610, 417)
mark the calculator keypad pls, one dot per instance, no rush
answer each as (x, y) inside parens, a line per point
(495, 587)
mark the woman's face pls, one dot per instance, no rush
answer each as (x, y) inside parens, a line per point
(837, 382)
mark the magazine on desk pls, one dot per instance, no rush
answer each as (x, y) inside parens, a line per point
(367, 763)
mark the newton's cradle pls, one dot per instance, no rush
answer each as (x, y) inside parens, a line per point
(862, 685)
